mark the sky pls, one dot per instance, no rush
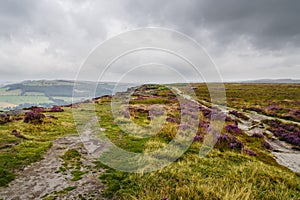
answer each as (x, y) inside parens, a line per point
(51, 39)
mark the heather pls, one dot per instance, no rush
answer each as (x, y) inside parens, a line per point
(239, 167)
(289, 133)
(276, 100)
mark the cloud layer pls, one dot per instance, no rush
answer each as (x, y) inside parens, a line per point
(246, 39)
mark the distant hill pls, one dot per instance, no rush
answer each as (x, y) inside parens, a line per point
(53, 92)
(63, 87)
(4, 83)
(273, 81)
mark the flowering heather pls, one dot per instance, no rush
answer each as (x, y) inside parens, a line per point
(258, 110)
(238, 114)
(172, 120)
(4, 118)
(249, 152)
(236, 144)
(224, 138)
(228, 119)
(56, 109)
(18, 118)
(292, 138)
(33, 117)
(279, 131)
(266, 145)
(233, 128)
(192, 113)
(198, 138)
(206, 112)
(274, 123)
(274, 108)
(37, 109)
(289, 133)
(297, 113)
(204, 125)
(228, 141)
(257, 135)
(139, 98)
(290, 127)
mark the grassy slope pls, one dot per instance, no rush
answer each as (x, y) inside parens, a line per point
(221, 175)
(263, 96)
(16, 153)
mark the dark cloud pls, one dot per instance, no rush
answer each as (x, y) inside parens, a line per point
(58, 34)
(268, 23)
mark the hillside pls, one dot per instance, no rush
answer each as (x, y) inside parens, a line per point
(288, 81)
(256, 155)
(47, 93)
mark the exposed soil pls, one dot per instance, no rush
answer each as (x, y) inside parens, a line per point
(44, 179)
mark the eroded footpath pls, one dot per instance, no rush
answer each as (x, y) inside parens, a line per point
(50, 178)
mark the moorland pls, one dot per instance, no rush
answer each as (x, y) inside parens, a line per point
(256, 154)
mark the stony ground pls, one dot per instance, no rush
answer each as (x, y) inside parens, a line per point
(44, 180)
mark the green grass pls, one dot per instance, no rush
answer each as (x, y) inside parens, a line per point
(14, 99)
(34, 94)
(245, 96)
(225, 174)
(67, 99)
(151, 101)
(66, 190)
(19, 156)
(16, 153)
(56, 194)
(221, 175)
(239, 95)
(77, 175)
(4, 92)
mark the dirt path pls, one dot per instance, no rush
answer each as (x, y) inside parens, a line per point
(284, 153)
(44, 179)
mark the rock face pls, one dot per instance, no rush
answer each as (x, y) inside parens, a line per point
(43, 178)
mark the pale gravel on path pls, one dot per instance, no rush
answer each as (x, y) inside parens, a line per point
(41, 178)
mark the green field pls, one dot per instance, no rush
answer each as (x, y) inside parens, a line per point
(25, 99)
(5, 92)
(48, 92)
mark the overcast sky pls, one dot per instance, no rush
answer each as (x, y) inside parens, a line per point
(50, 39)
